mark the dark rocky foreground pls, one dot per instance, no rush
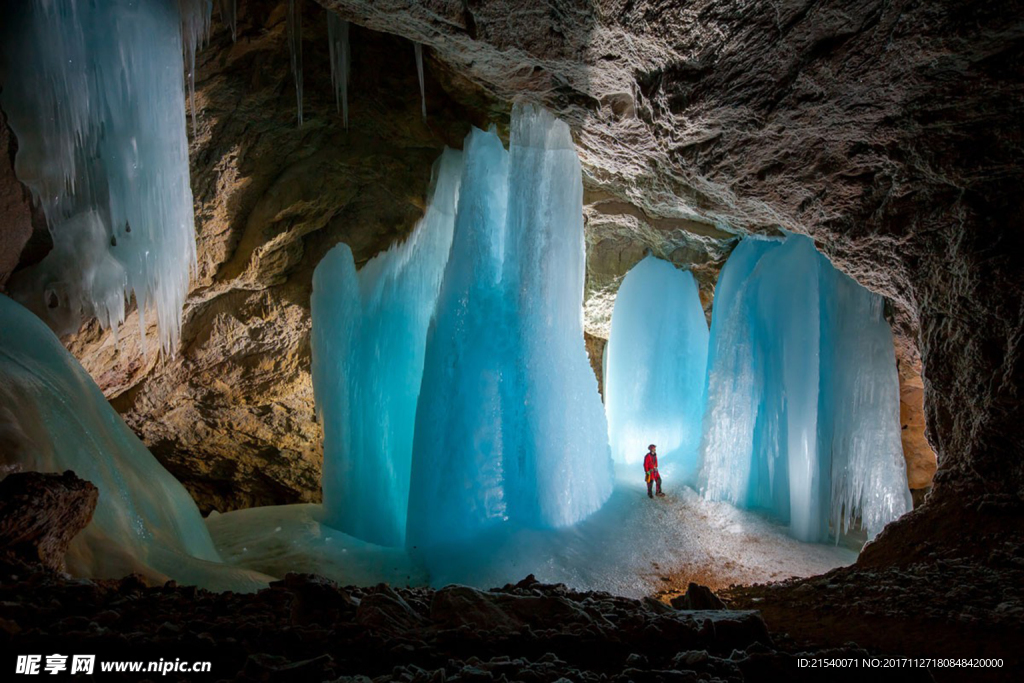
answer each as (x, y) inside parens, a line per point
(961, 598)
(306, 628)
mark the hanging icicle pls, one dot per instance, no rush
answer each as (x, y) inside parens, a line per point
(337, 39)
(419, 71)
(295, 43)
(229, 16)
(195, 33)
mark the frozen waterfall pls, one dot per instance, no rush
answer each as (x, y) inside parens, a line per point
(97, 102)
(655, 368)
(802, 417)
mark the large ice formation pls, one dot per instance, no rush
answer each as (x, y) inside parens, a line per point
(510, 432)
(802, 417)
(369, 336)
(95, 94)
(54, 418)
(656, 364)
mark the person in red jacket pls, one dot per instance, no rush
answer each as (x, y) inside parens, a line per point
(651, 470)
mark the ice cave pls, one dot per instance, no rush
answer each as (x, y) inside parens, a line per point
(344, 340)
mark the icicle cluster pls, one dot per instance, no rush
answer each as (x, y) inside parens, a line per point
(802, 415)
(656, 362)
(341, 64)
(229, 16)
(98, 105)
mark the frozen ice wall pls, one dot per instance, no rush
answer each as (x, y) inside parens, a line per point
(54, 418)
(510, 431)
(802, 417)
(94, 92)
(656, 364)
(368, 340)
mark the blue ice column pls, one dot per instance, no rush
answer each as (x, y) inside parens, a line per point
(733, 383)
(802, 413)
(510, 430)
(95, 94)
(558, 469)
(657, 359)
(458, 484)
(54, 418)
(368, 344)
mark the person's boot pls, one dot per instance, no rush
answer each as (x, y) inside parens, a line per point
(649, 494)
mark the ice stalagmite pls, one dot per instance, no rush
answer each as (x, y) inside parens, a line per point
(656, 363)
(458, 469)
(94, 93)
(368, 340)
(560, 466)
(54, 418)
(802, 397)
(337, 39)
(510, 431)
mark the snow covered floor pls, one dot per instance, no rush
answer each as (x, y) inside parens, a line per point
(633, 546)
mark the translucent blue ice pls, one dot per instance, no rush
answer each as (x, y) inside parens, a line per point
(368, 341)
(54, 418)
(655, 370)
(510, 431)
(802, 417)
(95, 94)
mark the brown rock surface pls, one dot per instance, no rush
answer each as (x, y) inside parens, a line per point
(40, 514)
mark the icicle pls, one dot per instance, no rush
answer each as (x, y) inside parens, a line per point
(229, 16)
(98, 104)
(295, 44)
(195, 32)
(419, 71)
(337, 39)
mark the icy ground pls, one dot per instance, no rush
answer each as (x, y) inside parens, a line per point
(633, 546)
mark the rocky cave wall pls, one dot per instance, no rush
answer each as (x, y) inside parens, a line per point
(888, 131)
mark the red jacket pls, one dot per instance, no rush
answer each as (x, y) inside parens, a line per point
(650, 462)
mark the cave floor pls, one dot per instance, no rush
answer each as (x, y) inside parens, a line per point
(633, 546)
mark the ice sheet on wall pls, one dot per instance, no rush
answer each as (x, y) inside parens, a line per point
(54, 418)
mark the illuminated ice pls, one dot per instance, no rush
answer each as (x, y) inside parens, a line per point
(802, 417)
(368, 341)
(510, 431)
(54, 418)
(97, 102)
(655, 369)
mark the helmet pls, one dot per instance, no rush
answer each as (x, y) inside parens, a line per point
(651, 446)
